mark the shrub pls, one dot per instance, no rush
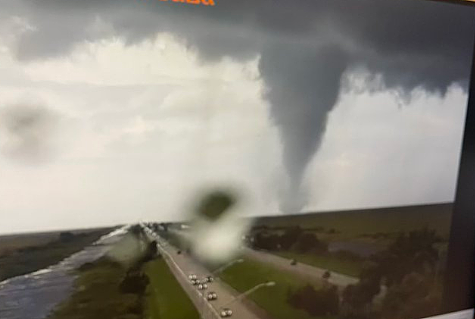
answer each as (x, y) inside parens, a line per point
(66, 236)
(322, 302)
(308, 242)
(267, 241)
(415, 297)
(135, 282)
(290, 237)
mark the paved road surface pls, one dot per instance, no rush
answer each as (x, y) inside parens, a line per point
(303, 270)
(225, 294)
(306, 271)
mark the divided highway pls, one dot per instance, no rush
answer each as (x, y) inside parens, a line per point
(183, 265)
(300, 269)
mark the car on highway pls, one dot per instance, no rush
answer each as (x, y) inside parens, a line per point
(202, 286)
(226, 312)
(208, 279)
(212, 296)
(326, 275)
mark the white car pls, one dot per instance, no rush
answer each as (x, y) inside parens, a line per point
(202, 286)
(208, 279)
(212, 296)
(226, 312)
(191, 277)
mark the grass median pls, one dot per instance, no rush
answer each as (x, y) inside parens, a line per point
(165, 297)
(97, 296)
(246, 275)
(145, 289)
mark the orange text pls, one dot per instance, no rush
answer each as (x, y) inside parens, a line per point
(203, 2)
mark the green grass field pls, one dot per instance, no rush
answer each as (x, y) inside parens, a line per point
(97, 295)
(273, 300)
(165, 297)
(32, 258)
(332, 263)
(354, 223)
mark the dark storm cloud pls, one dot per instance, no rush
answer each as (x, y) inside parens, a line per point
(414, 43)
(305, 46)
(300, 103)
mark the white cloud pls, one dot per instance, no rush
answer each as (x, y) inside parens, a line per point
(162, 60)
(144, 127)
(377, 152)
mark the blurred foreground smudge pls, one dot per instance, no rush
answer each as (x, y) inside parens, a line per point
(132, 248)
(26, 131)
(217, 227)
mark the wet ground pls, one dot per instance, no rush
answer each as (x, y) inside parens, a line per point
(34, 295)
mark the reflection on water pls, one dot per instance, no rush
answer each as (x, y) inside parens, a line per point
(34, 295)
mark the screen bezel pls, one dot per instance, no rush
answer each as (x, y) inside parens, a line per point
(460, 275)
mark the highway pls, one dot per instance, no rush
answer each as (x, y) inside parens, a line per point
(300, 269)
(183, 265)
(306, 271)
(303, 270)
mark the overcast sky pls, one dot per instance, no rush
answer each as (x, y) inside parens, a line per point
(117, 111)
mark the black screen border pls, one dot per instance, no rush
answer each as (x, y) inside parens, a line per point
(459, 283)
